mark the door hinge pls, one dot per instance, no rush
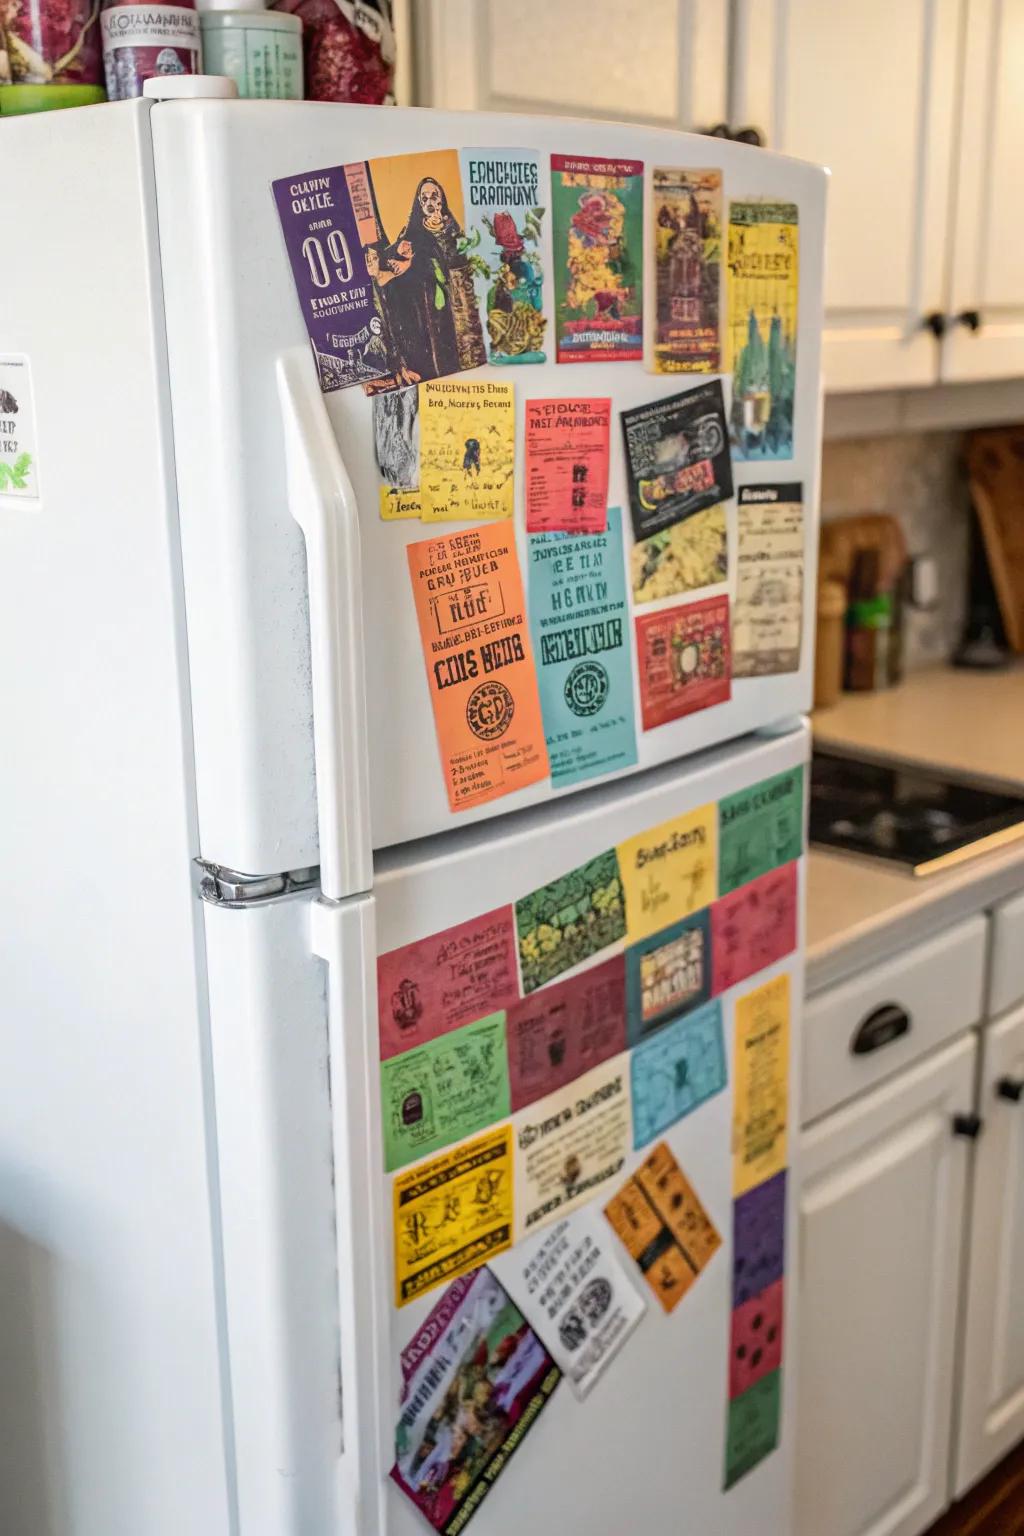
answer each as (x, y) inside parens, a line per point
(228, 888)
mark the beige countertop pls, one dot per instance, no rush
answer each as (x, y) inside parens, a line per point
(971, 723)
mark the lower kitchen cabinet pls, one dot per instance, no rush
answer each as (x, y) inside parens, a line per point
(991, 1397)
(881, 1223)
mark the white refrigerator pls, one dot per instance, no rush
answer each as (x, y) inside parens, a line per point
(350, 1142)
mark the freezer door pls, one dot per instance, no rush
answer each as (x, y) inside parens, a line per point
(605, 996)
(298, 593)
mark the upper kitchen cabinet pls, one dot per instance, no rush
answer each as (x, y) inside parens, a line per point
(662, 63)
(985, 337)
(868, 90)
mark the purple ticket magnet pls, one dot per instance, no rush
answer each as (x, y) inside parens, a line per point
(758, 1238)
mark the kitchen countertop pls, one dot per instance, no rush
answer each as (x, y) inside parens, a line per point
(860, 910)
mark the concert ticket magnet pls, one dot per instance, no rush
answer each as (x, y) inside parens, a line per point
(754, 926)
(762, 266)
(481, 1378)
(570, 1144)
(677, 457)
(752, 1427)
(467, 449)
(668, 973)
(504, 245)
(575, 1293)
(758, 1238)
(676, 1071)
(476, 646)
(597, 209)
(686, 208)
(561, 1031)
(396, 448)
(683, 660)
(451, 978)
(760, 828)
(668, 871)
(339, 305)
(580, 627)
(768, 613)
(443, 1091)
(451, 1213)
(567, 465)
(761, 1084)
(564, 923)
(662, 1224)
(755, 1345)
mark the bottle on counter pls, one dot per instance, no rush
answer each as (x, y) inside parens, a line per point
(50, 55)
(260, 50)
(142, 41)
(869, 626)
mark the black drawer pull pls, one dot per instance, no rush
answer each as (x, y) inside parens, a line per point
(881, 1027)
(1011, 1088)
(967, 1125)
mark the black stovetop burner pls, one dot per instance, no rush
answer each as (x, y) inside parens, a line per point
(910, 816)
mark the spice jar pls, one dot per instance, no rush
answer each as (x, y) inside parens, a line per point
(260, 50)
(349, 47)
(50, 54)
(142, 41)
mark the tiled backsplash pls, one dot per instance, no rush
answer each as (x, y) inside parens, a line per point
(917, 478)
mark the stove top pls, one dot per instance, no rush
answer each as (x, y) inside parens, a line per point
(908, 816)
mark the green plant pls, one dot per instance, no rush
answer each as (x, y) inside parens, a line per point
(14, 476)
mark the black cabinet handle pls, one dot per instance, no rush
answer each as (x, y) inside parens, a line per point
(752, 136)
(719, 131)
(881, 1027)
(936, 323)
(967, 1125)
(1011, 1088)
(971, 318)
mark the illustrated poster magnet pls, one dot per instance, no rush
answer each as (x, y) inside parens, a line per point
(752, 1427)
(668, 973)
(754, 926)
(454, 977)
(760, 828)
(767, 615)
(597, 236)
(562, 1031)
(504, 244)
(662, 1224)
(409, 215)
(677, 457)
(19, 456)
(567, 444)
(675, 1071)
(758, 1238)
(755, 1339)
(564, 923)
(683, 659)
(683, 558)
(339, 304)
(687, 225)
(467, 450)
(575, 1294)
(668, 871)
(570, 1144)
(761, 1083)
(452, 1213)
(396, 447)
(483, 688)
(580, 627)
(480, 1382)
(444, 1091)
(762, 262)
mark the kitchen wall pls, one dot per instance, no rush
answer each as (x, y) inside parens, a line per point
(918, 478)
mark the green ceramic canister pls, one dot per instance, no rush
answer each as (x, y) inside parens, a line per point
(260, 50)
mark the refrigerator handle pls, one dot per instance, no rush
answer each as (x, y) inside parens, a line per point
(343, 935)
(323, 503)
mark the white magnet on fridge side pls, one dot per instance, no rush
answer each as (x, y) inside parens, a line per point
(190, 88)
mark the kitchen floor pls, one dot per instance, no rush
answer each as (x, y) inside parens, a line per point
(994, 1508)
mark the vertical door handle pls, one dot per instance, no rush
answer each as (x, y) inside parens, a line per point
(1011, 1088)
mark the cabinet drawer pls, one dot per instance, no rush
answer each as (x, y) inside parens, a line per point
(1006, 986)
(878, 1022)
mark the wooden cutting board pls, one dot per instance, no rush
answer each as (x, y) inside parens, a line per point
(995, 465)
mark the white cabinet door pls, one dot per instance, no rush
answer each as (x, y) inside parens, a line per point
(881, 1201)
(988, 228)
(868, 90)
(663, 62)
(992, 1377)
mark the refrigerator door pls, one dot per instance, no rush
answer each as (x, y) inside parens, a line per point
(299, 600)
(687, 1400)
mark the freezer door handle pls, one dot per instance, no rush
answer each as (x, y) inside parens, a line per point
(343, 935)
(323, 503)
